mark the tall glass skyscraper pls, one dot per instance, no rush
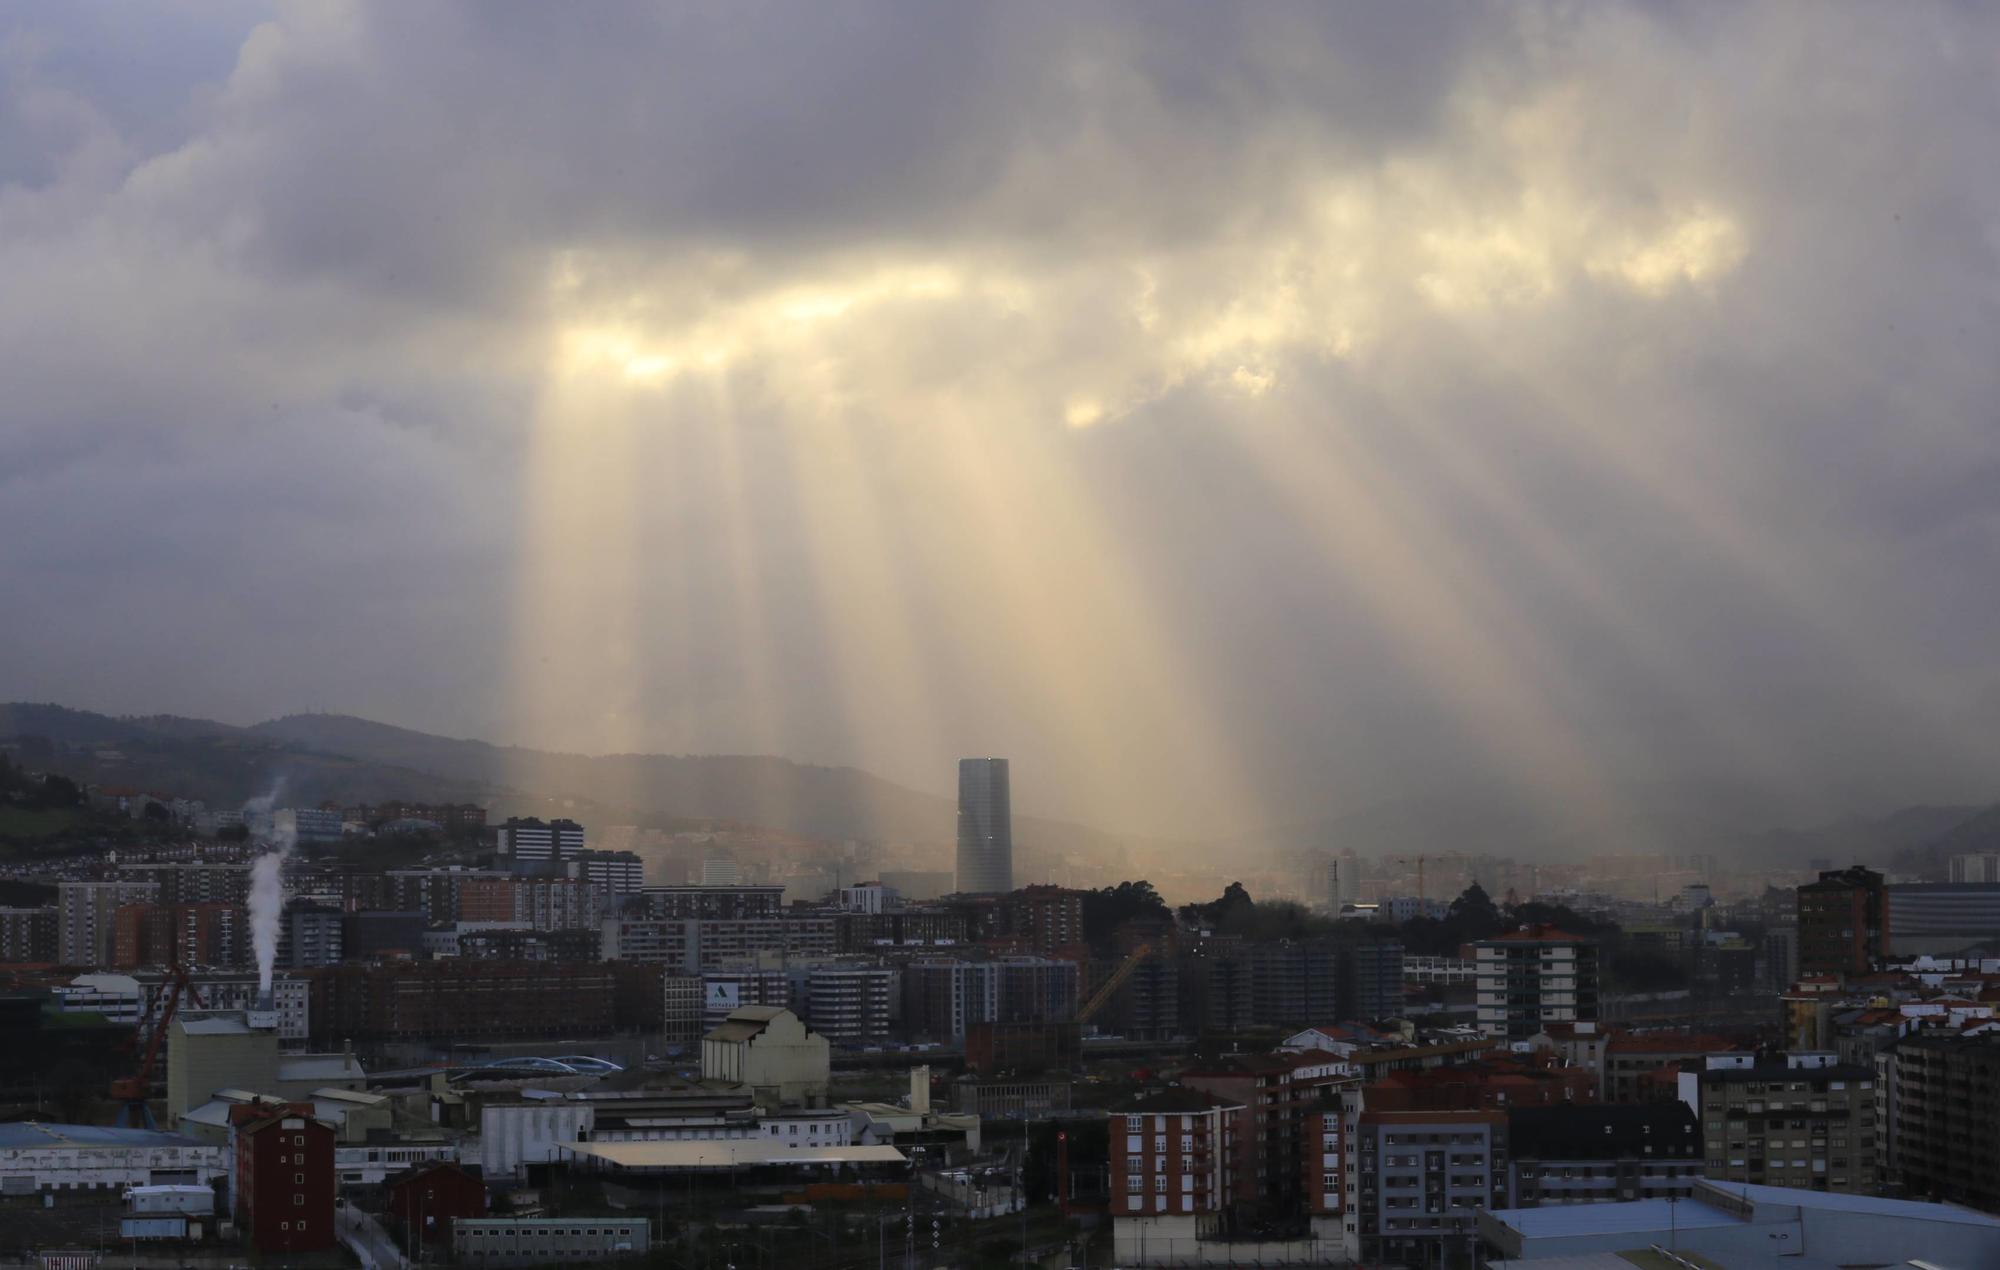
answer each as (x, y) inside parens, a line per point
(985, 828)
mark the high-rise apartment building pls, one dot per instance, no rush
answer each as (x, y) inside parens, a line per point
(942, 998)
(1840, 922)
(85, 932)
(681, 1012)
(27, 935)
(542, 902)
(309, 935)
(193, 935)
(1805, 1120)
(613, 872)
(530, 842)
(1781, 957)
(1981, 866)
(436, 893)
(720, 902)
(985, 827)
(1532, 977)
(1299, 983)
(721, 870)
(1937, 1118)
(197, 882)
(695, 945)
(851, 1004)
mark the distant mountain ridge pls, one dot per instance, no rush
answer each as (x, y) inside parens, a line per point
(219, 763)
(341, 758)
(776, 793)
(346, 759)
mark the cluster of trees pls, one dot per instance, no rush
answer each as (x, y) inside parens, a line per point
(52, 792)
(1105, 910)
(1473, 916)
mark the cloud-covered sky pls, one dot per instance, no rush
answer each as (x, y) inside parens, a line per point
(1235, 414)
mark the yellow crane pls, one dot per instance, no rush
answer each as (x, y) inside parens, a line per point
(1109, 988)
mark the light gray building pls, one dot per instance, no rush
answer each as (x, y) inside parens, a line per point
(527, 1241)
(852, 1004)
(84, 930)
(1940, 917)
(985, 828)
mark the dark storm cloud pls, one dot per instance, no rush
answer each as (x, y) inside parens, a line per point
(1666, 327)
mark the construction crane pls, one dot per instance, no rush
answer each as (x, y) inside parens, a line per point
(1109, 988)
(130, 1092)
(1444, 857)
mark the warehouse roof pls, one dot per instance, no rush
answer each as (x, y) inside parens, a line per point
(1834, 1201)
(30, 1133)
(1634, 1217)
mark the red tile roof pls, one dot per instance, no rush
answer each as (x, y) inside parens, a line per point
(1670, 1043)
(1534, 934)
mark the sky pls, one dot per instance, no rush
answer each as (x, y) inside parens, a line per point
(1234, 414)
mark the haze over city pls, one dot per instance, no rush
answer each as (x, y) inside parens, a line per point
(999, 634)
(1237, 416)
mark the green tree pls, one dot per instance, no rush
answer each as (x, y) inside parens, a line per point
(1104, 911)
(1234, 906)
(1474, 909)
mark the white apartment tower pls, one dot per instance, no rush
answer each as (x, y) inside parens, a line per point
(1532, 977)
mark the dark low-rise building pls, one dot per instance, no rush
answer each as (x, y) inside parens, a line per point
(427, 1198)
(383, 933)
(529, 1241)
(1601, 1152)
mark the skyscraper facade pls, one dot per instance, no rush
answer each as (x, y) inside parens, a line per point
(985, 828)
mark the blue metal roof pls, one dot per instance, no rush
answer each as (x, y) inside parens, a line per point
(1556, 1221)
(32, 1133)
(1781, 1196)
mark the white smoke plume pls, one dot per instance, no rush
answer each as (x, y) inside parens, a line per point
(267, 890)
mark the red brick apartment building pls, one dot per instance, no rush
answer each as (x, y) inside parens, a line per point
(1285, 1097)
(200, 934)
(1172, 1153)
(284, 1177)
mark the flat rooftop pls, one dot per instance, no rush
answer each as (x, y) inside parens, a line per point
(1629, 1217)
(30, 1133)
(1909, 1209)
(728, 1153)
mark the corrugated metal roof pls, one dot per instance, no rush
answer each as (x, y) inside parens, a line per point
(1633, 1217)
(1838, 1202)
(35, 1134)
